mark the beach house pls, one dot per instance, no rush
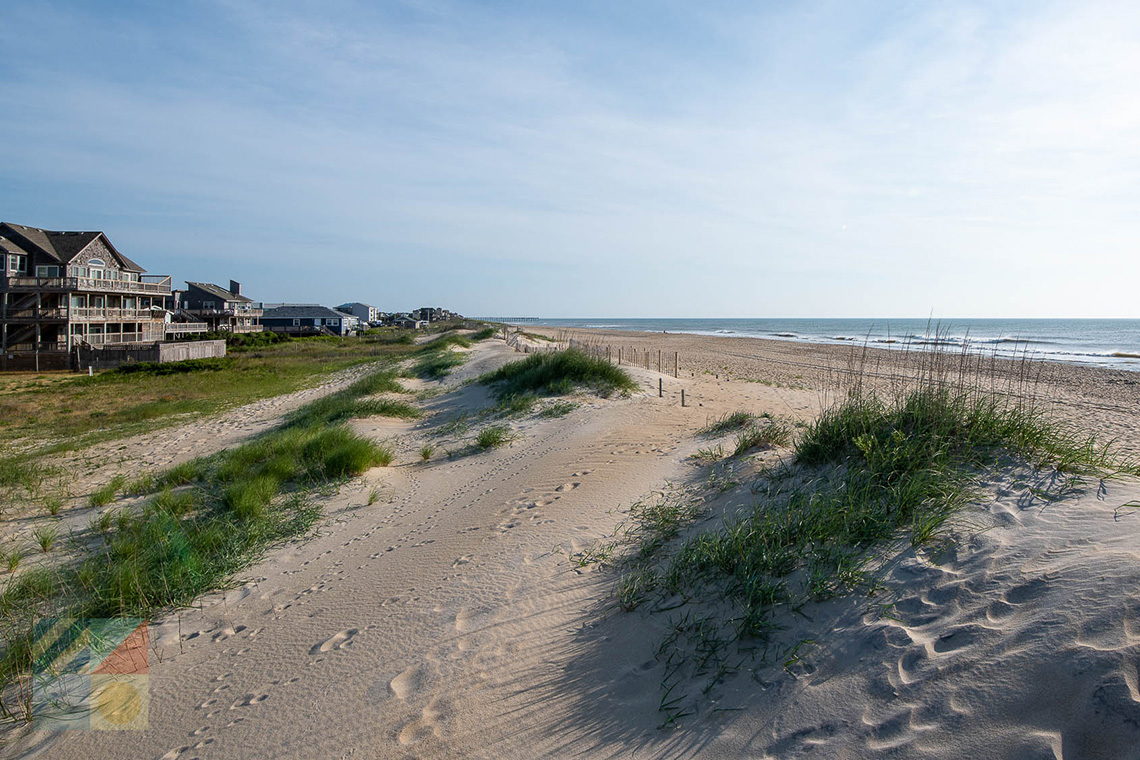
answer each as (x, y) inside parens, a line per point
(61, 292)
(224, 310)
(366, 313)
(308, 319)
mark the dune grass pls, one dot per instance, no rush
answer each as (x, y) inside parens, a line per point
(493, 437)
(558, 373)
(204, 520)
(874, 471)
(438, 365)
(727, 423)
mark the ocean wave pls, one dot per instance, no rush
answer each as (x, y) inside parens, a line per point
(785, 335)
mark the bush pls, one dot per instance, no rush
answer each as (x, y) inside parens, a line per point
(173, 368)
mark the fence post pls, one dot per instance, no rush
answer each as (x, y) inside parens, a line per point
(682, 397)
(619, 355)
(659, 360)
(676, 364)
(660, 388)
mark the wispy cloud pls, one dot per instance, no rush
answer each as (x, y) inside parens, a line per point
(599, 158)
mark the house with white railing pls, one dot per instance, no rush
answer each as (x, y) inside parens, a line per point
(61, 292)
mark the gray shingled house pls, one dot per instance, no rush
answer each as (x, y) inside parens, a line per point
(65, 291)
(223, 310)
(308, 319)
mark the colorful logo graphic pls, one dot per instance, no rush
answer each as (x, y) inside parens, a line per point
(91, 673)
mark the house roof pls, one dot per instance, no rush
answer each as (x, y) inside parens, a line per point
(219, 292)
(350, 304)
(60, 246)
(302, 311)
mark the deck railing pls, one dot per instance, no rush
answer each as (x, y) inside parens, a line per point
(149, 284)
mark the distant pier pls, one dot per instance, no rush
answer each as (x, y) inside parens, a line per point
(510, 320)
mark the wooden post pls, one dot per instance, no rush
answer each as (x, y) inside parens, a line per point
(682, 397)
(619, 354)
(676, 364)
(660, 388)
(659, 360)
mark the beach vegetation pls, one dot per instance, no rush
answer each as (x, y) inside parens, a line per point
(771, 434)
(727, 423)
(558, 373)
(493, 437)
(106, 493)
(877, 471)
(201, 521)
(558, 409)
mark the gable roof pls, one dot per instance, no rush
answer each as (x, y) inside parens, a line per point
(60, 246)
(302, 311)
(217, 291)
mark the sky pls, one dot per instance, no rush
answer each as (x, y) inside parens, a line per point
(594, 158)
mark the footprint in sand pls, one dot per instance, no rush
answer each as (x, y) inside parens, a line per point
(567, 487)
(406, 683)
(249, 700)
(339, 640)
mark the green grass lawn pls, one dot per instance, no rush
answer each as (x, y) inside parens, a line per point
(63, 411)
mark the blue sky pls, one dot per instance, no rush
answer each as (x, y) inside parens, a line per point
(594, 158)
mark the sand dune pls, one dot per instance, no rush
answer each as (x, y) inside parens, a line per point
(448, 620)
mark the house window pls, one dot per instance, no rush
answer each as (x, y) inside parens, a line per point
(96, 262)
(17, 263)
(47, 271)
(296, 323)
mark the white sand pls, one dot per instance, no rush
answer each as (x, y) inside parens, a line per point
(446, 620)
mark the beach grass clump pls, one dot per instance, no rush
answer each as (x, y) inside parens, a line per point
(558, 373)
(516, 405)
(106, 493)
(557, 409)
(493, 437)
(45, 537)
(754, 436)
(482, 334)
(445, 342)
(436, 365)
(727, 424)
(880, 469)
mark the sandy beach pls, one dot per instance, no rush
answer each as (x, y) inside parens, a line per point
(449, 617)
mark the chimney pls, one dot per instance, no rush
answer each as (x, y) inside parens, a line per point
(235, 287)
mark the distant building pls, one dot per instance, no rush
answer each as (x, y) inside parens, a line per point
(364, 312)
(434, 314)
(409, 322)
(308, 319)
(62, 291)
(223, 310)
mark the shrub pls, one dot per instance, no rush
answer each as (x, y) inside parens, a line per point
(173, 368)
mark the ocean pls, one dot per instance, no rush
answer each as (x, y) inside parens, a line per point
(1100, 342)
